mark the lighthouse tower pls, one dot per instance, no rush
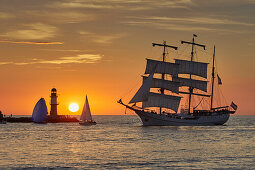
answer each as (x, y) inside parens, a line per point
(53, 103)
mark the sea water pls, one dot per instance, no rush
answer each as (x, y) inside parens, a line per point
(121, 142)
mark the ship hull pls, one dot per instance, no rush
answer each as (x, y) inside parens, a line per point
(151, 119)
(87, 123)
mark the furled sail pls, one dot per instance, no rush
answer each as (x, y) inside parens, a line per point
(172, 86)
(40, 112)
(86, 114)
(192, 67)
(162, 100)
(143, 93)
(198, 84)
(161, 67)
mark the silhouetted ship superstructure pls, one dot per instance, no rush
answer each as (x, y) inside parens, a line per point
(168, 98)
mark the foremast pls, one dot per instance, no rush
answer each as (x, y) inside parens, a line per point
(191, 59)
(163, 59)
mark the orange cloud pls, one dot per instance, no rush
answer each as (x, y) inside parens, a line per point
(101, 39)
(31, 42)
(78, 59)
(34, 31)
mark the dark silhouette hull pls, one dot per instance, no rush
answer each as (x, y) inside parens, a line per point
(87, 123)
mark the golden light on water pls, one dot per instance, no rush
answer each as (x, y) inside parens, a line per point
(73, 107)
(41, 52)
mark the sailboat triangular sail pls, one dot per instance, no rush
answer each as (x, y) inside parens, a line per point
(86, 118)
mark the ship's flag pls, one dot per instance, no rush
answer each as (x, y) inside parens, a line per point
(234, 106)
(219, 80)
(194, 35)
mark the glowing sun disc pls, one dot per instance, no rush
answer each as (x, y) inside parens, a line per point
(73, 107)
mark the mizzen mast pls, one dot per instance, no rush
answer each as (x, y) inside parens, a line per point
(192, 56)
(213, 77)
(163, 59)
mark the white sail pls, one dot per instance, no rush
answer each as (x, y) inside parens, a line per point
(162, 100)
(198, 84)
(161, 67)
(143, 93)
(86, 114)
(40, 111)
(192, 67)
(172, 86)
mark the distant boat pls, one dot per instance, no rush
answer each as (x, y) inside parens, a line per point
(169, 90)
(40, 112)
(2, 122)
(2, 119)
(86, 118)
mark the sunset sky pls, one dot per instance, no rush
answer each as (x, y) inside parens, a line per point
(99, 48)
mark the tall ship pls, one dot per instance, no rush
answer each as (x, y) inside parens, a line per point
(167, 84)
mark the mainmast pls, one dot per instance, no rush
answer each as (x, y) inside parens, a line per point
(163, 59)
(192, 56)
(213, 77)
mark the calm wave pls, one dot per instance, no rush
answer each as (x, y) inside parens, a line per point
(120, 142)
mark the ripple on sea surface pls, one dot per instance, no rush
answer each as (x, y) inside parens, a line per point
(120, 142)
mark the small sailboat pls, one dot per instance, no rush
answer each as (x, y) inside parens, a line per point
(40, 112)
(86, 118)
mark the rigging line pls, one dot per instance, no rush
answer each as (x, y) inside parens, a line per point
(207, 102)
(219, 97)
(210, 59)
(204, 56)
(207, 51)
(225, 100)
(170, 54)
(152, 52)
(183, 50)
(199, 103)
(205, 105)
(216, 67)
(125, 94)
(159, 55)
(195, 54)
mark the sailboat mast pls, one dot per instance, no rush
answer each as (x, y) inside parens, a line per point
(163, 59)
(192, 56)
(213, 77)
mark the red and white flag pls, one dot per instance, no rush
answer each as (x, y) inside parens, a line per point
(234, 106)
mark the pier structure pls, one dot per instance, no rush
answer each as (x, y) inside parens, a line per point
(52, 118)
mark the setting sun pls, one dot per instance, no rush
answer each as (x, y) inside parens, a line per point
(73, 107)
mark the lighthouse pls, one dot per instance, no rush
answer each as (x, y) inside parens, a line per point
(53, 103)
